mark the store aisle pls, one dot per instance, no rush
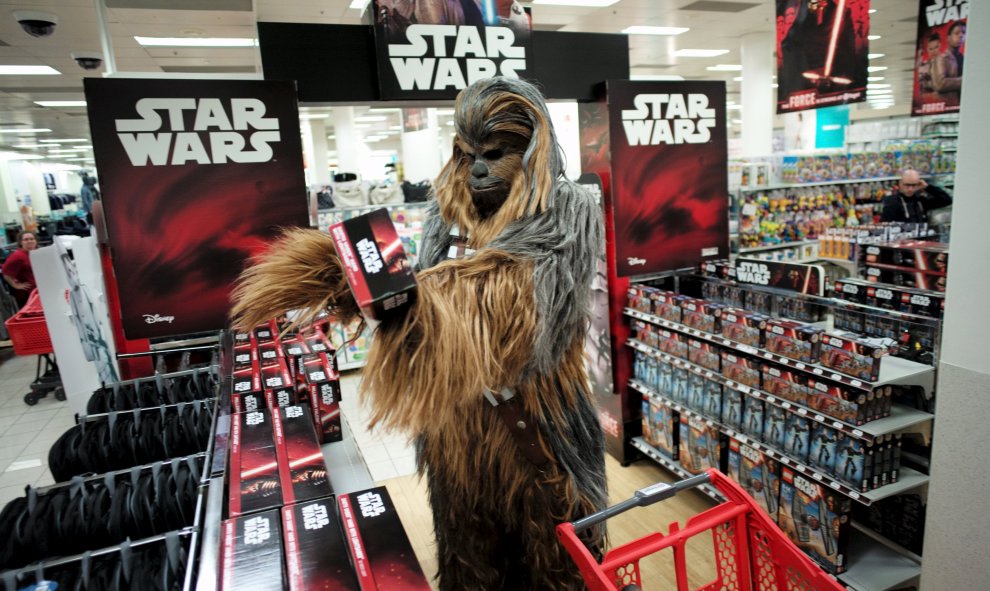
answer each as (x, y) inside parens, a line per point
(26, 432)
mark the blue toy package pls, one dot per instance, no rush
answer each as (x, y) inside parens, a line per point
(732, 408)
(797, 437)
(648, 431)
(695, 392)
(713, 399)
(680, 384)
(652, 372)
(815, 518)
(850, 463)
(823, 450)
(665, 384)
(700, 445)
(753, 417)
(774, 426)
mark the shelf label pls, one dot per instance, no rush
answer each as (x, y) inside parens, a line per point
(747, 349)
(800, 468)
(800, 365)
(857, 383)
(835, 485)
(837, 425)
(784, 361)
(820, 418)
(854, 495)
(786, 405)
(816, 476)
(838, 377)
(857, 433)
(817, 371)
(771, 399)
(709, 374)
(743, 389)
(802, 412)
(768, 355)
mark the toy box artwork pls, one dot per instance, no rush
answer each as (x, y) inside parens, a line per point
(785, 384)
(704, 354)
(815, 518)
(774, 426)
(639, 366)
(679, 392)
(700, 314)
(852, 357)
(932, 257)
(846, 404)
(823, 450)
(792, 339)
(732, 408)
(667, 306)
(700, 445)
(906, 278)
(741, 369)
(665, 378)
(743, 327)
(758, 474)
(759, 302)
(850, 463)
(753, 417)
(666, 429)
(695, 392)
(672, 343)
(797, 437)
(649, 434)
(639, 298)
(652, 375)
(713, 399)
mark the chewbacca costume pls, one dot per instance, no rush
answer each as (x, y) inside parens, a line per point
(485, 370)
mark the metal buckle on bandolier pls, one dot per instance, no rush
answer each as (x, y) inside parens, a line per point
(459, 244)
(523, 429)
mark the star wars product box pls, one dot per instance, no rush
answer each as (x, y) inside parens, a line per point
(757, 473)
(254, 478)
(797, 437)
(277, 382)
(251, 553)
(774, 426)
(378, 271)
(700, 445)
(816, 518)
(733, 402)
(302, 471)
(906, 278)
(712, 401)
(824, 448)
(665, 378)
(695, 392)
(892, 297)
(785, 384)
(740, 368)
(850, 405)
(649, 433)
(380, 551)
(744, 327)
(322, 386)
(701, 315)
(753, 417)
(315, 548)
(679, 384)
(667, 305)
(851, 290)
(639, 298)
(704, 354)
(246, 393)
(665, 429)
(851, 466)
(855, 358)
(792, 340)
(269, 353)
(915, 254)
(672, 343)
(244, 356)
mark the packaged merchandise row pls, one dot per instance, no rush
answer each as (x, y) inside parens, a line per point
(925, 156)
(848, 243)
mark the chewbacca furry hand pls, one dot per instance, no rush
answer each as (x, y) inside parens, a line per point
(485, 370)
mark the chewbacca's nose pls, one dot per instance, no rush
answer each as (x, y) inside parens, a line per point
(479, 170)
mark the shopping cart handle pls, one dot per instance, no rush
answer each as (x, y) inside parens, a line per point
(643, 497)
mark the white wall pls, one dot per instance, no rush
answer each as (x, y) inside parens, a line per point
(565, 125)
(27, 181)
(421, 155)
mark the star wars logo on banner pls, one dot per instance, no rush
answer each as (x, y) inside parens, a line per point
(807, 279)
(940, 56)
(435, 48)
(822, 53)
(669, 119)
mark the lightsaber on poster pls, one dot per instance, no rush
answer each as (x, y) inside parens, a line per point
(825, 79)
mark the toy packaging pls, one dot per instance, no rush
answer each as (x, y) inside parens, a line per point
(704, 354)
(892, 297)
(277, 381)
(757, 473)
(695, 392)
(666, 429)
(315, 549)
(741, 369)
(797, 438)
(743, 327)
(302, 472)
(251, 556)
(932, 257)
(322, 387)
(823, 450)
(244, 356)
(701, 315)
(700, 445)
(793, 340)
(254, 478)
(852, 357)
(732, 408)
(672, 343)
(774, 426)
(785, 384)
(906, 278)
(679, 390)
(668, 306)
(832, 399)
(639, 298)
(851, 464)
(649, 432)
(815, 518)
(753, 417)
(712, 399)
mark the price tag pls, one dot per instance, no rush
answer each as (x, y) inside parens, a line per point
(800, 468)
(800, 365)
(816, 476)
(857, 433)
(837, 377)
(818, 371)
(786, 405)
(743, 389)
(837, 425)
(802, 412)
(820, 418)
(768, 355)
(708, 374)
(854, 495)
(834, 485)
(857, 383)
(771, 400)
(784, 361)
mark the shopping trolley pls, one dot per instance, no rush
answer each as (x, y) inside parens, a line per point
(750, 551)
(29, 336)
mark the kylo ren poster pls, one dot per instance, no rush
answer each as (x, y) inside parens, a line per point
(197, 175)
(822, 53)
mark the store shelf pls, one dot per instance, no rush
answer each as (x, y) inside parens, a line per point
(819, 184)
(780, 246)
(672, 466)
(939, 136)
(851, 266)
(670, 403)
(350, 366)
(347, 470)
(209, 558)
(874, 567)
(882, 539)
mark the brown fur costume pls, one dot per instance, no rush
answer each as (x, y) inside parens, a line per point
(512, 314)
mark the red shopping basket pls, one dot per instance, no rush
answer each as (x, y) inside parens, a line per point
(751, 553)
(27, 328)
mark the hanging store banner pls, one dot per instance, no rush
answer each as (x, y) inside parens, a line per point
(939, 56)
(822, 53)
(197, 176)
(431, 49)
(796, 277)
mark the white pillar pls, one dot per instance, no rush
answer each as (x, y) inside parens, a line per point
(315, 151)
(757, 95)
(957, 530)
(348, 159)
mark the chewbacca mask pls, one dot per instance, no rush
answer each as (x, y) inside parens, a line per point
(485, 370)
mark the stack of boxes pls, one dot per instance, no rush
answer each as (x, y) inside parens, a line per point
(909, 263)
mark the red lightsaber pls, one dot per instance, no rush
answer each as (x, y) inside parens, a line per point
(825, 77)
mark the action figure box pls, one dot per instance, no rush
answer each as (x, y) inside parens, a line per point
(251, 554)
(639, 298)
(264, 333)
(278, 384)
(642, 331)
(785, 384)
(244, 357)
(302, 471)
(649, 432)
(269, 353)
(774, 426)
(315, 548)
(667, 305)
(242, 338)
(665, 378)
(759, 302)
(851, 466)
(815, 518)
(757, 473)
(855, 358)
(733, 403)
(379, 549)
(712, 401)
(744, 327)
(254, 483)
(700, 445)
(679, 384)
(906, 278)
(322, 387)
(753, 417)
(851, 290)
(245, 380)
(673, 343)
(701, 315)
(666, 432)
(704, 354)
(824, 448)
(718, 269)
(741, 369)
(931, 257)
(849, 405)
(652, 371)
(793, 340)
(377, 268)
(797, 437)
(695, 392)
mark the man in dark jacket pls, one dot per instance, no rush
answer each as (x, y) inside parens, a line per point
(913, 200)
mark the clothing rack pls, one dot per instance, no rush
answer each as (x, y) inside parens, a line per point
(136, 411)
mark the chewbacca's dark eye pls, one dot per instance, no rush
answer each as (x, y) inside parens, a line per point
(492, 154)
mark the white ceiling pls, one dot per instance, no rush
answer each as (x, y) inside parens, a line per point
(78, 30)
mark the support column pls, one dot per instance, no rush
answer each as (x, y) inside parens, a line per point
(757, 95)
(348, 159)
(957, 530)
(315, 151)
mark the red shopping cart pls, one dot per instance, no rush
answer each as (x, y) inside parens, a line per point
(29, 336)
(750, 551)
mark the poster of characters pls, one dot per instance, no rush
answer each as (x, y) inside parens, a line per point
(939, 56)
(822, 53)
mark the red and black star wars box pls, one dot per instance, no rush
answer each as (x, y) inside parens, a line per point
(302, 471)
(251, 553)
(906, 278)
(244, 356)
(701, 314)
(315, 549)
(264, 333)
(851, 290)
(704, 354)
(721, 269)
(832, 399)
(786, 384)
(852, 357)
(892, 297)
(322, 387)
(254, 479)
(380, 551)
(793, 340)
(740, 368)
(743, 327)
(815, 518)
(913, 254)
(673, 343)
(378, 271)
(246, 391)
(278, 384)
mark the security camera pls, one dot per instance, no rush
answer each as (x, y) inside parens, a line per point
(36, 24)
(88, 60)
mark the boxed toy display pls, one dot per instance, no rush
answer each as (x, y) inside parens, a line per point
(753, 417)
(673, 343)
(315, 549)
(823, 450)
(700, 445)
(786, 384)
(793, 340)
(704, 354)
(732, 408)
(852, 357)
(906, 278)
(679, 386)
(837, 401)
(695, 392)
(797, 437)
(666, 431)
(743, 327)
(712, 406)
(774, 426)
(851, 465)
(251, 554)
(649, 433)
(816, 519)
(302, 472)
(741, 369)
(701, 315)
(322, 387)
(254, 478)
(277, 381)
(757, 473)
(919, 255)
(668, 306)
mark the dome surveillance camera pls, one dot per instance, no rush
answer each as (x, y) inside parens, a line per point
(88, 60)
(36, 24)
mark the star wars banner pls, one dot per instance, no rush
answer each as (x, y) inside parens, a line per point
(939, 56)
(822, 53)
(431, 49)
(197, 176)
(806, 279)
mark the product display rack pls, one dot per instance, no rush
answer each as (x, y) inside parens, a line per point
(671, 465)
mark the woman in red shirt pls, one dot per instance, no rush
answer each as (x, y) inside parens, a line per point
(17, 268)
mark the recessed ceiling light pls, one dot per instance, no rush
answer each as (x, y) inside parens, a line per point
(28, 71)
(872, 86)
(725, 68)
(657, 77)
(308, 116)
(874, 56)
(396, 128)
(582, 3)
(876, 68)
(874, 37)
(60, 103)
(197, 41)
(648, 30)
(358, 4)
(371, 119)
(75, 159)
(26, 130)
(29, 146)
(875, 79)
(16, 156)
(68, 141)
(700, 52)
(737, 79)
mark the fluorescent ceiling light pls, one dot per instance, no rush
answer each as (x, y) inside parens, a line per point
(734, 107)
(882, 107)
(28, 71)
(700, 52)
(873, 86)
(774, 85)
(61, 151)
(308, 116)
(396, 128)
(737, 79)
(358, 4)
(29, 146)
(331, 137)
(26, 130)
(16, 156)
(582, 3)
(371, 119)
(450, 123)
(385, 110)
(197, 41)
(75, 159)
(873, 10)
(876, 68)
(657, 77)
(445, 111)
(874, 56)
(60, 103)
(69, 141)
(884, 91)
(362, 125)
(875, 79)
(874, 37)
(648, 30)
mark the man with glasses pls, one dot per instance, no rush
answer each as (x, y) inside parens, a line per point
(913, 200)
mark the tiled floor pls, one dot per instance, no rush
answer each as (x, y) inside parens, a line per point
(387, 455)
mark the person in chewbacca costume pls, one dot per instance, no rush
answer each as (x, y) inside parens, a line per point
(485, 370)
